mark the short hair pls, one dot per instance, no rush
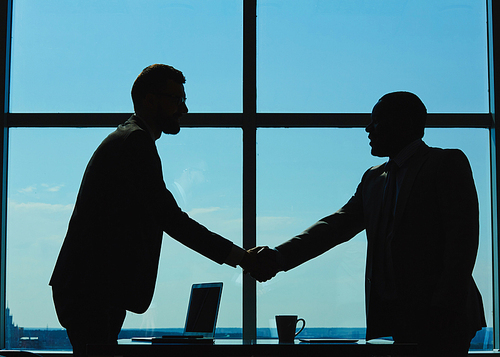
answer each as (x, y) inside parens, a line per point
(405, 106)
(152, 79)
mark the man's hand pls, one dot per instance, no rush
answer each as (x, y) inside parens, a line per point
(261, 263)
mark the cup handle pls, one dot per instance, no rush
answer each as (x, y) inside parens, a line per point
(303, 325)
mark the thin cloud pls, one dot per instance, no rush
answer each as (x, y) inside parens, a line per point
(200, 211)
(28, 189)
(271, 222)
(48, 188)
(39, 206)
(53, 188)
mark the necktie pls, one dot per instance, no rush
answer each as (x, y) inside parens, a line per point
(385, 232)
(390, 195)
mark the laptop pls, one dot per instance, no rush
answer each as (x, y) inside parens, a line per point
(201, 317)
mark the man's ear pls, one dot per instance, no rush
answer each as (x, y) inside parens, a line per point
(149, 100)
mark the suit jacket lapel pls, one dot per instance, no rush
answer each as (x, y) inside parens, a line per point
(380, 199)
(414, 165)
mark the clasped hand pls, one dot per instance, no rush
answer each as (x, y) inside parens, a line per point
(261, 263)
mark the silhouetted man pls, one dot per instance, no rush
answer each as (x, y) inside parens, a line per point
(420, 213)
(109, 259)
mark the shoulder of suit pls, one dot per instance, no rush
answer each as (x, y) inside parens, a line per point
(444, 154)
(444, 160)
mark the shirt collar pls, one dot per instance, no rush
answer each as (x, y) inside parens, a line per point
(407, 152)
(146, 126)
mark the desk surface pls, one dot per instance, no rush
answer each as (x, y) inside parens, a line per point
(267, 347)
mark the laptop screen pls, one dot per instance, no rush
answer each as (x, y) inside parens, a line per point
(203, 309)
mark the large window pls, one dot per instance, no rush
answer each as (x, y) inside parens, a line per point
(342, 56)
(83, 58)
(320, 68)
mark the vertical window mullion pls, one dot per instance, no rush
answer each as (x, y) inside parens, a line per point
(5, 38)
(493, 13)
(249, 160)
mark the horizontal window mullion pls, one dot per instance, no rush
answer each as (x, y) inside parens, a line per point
(356, 120)
(90, 120)
(263, 120)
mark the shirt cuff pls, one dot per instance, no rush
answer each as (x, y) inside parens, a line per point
(280, 260)
(235, 256)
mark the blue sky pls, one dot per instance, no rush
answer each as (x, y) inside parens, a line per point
(313, 56)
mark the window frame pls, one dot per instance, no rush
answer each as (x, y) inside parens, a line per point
(249, 121)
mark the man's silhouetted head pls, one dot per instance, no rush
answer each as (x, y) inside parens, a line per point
(398, 119)
(159, 98)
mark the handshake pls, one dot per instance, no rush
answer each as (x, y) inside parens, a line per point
(261, 263)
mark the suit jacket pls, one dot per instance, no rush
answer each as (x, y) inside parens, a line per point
(111, 250)
(434, 242)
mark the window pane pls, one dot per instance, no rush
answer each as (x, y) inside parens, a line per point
(202, 168)
(342, 56)
(307, 174)
(83, 56)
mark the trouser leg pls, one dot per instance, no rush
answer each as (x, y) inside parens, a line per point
(88, 323)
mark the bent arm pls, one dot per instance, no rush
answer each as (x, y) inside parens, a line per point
(159, 203)
(458, 204)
